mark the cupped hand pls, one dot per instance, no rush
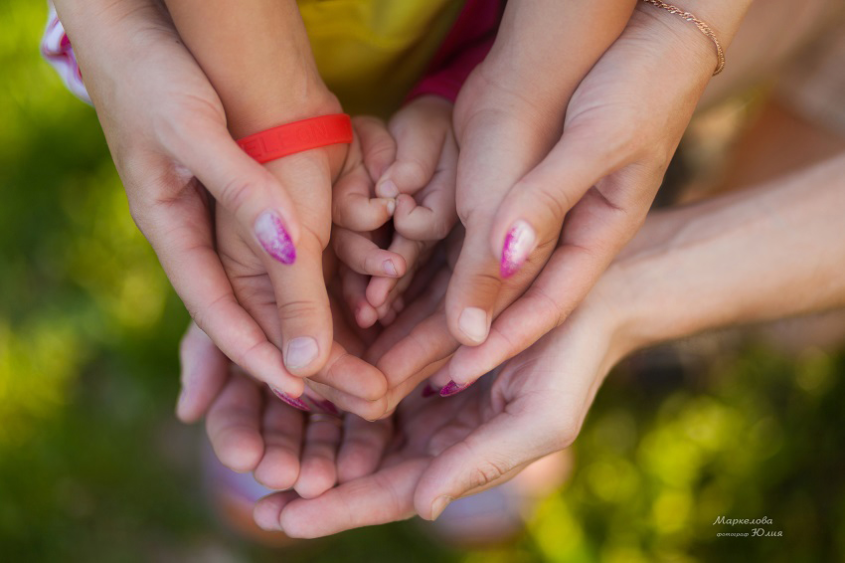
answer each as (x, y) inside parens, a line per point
(445, 449)
(623, 124)
(167, 133)
(410, 166)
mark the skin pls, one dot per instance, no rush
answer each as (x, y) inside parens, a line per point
(167, 132)
(417, 150)
(714, 264)
(266, 48)
(622, 125)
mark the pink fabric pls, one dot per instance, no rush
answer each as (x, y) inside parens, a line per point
(57, 50)
(468, 42)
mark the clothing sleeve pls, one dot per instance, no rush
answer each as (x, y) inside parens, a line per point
(466, 45)
(57, 50)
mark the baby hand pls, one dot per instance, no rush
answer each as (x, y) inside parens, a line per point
(412, 165)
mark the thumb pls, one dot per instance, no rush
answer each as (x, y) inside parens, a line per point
(533, 211)
(489, 456)
(260, 204)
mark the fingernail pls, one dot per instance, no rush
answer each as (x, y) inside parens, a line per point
(273, 237)
(387, 189)
(439, 505)
(429, 391)
(295, 403)
(453, 388)
(473, 323)
(328, 406)
(519, 243)
(390, 268)
(391, 206)
(301, 352)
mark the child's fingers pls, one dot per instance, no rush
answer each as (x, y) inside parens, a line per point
(380, 287)
(282, 428)
(377, 144)
(436, 213)
(352, 205)
(419, 143)
(354, 289)
(362, 255)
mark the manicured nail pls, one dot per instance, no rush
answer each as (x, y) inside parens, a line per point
(295, 403)
(273, 237)
(328, 406)
(473, 323)
(453, 388)
(387, 189)
(519, 243)
(390, 268)
(301, 352)
(439, 505)
(391, 206)
(429, 391)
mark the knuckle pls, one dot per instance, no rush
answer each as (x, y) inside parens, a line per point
(300, 309)
(236, 192)
(485, 473)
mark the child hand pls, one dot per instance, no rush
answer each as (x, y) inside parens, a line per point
(411, 165)
(290, 303)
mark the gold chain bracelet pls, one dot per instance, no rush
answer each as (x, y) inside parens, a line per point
(702, 27)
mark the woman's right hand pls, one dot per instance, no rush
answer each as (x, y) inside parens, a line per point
(167, 133)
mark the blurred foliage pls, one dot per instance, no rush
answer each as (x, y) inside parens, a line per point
(93, 466)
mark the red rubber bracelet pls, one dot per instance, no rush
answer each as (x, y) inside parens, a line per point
(298, 136)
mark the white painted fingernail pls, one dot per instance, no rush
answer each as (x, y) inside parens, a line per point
(301, 352)
(473, 323)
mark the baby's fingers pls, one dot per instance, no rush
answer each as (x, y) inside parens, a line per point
(436, 214)
(419, 142)
(352, 206)
(363, 256)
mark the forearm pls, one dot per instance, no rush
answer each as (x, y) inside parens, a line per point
(545, 47)
(773, 251)
(257, 56)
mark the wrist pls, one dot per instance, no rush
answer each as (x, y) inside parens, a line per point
(722, 17)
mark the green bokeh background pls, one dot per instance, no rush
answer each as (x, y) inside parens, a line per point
(94, 467)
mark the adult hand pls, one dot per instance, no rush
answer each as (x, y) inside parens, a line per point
(252, 430)
(450, 448)
(594, 188)
(167, 133)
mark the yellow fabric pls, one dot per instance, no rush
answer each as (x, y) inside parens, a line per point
(372, 52)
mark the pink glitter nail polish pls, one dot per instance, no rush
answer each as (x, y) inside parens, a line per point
(453, 388)
(273, 237)
(295, 403)
(519, 243)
